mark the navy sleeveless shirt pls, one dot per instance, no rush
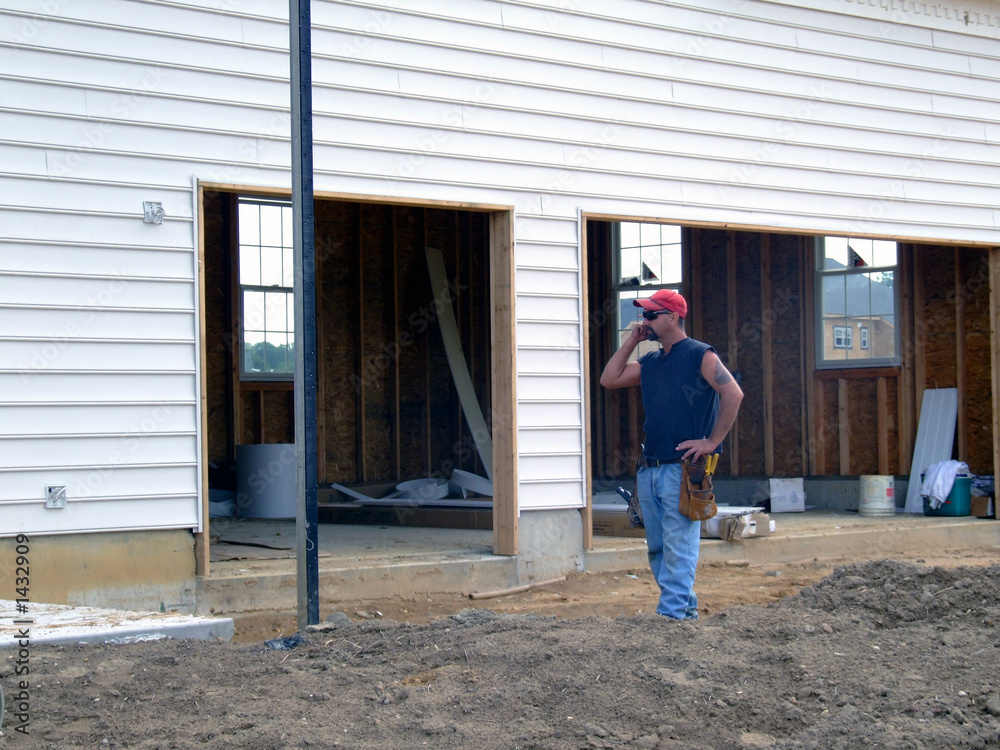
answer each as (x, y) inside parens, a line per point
(680, 405)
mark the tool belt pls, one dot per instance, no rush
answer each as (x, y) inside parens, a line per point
(697, 497)
(645, 462)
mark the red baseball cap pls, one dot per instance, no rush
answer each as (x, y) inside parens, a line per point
(664, 299)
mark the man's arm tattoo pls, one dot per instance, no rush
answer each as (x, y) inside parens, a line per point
(722, 375)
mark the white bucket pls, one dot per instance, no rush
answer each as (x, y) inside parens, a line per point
(877, 496)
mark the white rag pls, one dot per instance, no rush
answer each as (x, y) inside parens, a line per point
(938, 480)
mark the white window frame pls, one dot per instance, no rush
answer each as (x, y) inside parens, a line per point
(863, 340)
(822, 363)
(618, 285)
(241, 289)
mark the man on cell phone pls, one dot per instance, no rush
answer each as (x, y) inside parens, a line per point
(691, 401)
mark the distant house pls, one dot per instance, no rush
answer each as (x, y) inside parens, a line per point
(144, 333)
(859, 316)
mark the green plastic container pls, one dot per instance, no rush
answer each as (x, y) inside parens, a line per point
(958, 502)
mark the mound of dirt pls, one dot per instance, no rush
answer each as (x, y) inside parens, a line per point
(883, 654)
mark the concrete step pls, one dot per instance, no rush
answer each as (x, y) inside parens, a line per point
(59, 623)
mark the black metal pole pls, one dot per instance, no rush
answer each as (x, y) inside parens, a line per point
(307, 478)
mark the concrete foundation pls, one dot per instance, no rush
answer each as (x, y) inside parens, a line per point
(155, 570)
(274, 586)
(136, 570)
(550, 544)
(359, 562)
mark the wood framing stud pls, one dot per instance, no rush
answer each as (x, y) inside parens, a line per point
(767, 362)
(202, 553)
(843, 426)
(810, 464)
(733, 363)
(919, 330)
(883, 426)
(820, 427)
(994, 261)
(904, 393)
(961, 369)
(504, 425)
(586, 512)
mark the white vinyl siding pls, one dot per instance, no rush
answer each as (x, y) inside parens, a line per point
(833, 118)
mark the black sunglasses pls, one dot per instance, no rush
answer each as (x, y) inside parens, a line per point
(651, 314)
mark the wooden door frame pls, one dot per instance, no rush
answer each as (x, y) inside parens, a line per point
(504, 395)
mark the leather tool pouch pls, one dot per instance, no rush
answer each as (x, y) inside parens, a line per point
(697, 496)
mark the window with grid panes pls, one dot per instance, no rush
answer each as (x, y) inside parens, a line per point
(856, 291)
(647, 257)
(267, 312)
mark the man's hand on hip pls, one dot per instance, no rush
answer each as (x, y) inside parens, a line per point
(695, 449)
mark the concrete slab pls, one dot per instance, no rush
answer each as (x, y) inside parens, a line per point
(355, 562)
(821, 534)
(359, 562)
(59, 623)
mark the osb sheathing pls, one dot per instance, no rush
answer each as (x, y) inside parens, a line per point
(414, 376)
(376, 320)
(711, 308)
(934, 321)
(862, 419)
(973, 296)
(958, 282)
(279, 417)
(781, 320)
(936, 341)
(749, 331)
(381, 332)
(828, 429)
(250, 417)
(218, 340)
(709, 258)
(892, 425)
(339, 367)
(389, 410)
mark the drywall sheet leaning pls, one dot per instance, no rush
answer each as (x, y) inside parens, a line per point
(456, 359)
(935, 439)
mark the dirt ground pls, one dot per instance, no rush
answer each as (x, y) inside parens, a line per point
(900, 654)
(626, 592)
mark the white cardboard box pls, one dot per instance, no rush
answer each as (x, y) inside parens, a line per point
(736, 528)
(787, 495)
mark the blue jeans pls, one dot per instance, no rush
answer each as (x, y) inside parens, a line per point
(672, 538)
